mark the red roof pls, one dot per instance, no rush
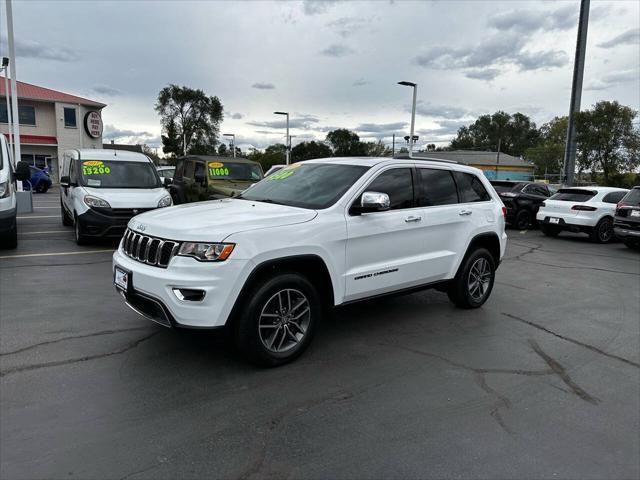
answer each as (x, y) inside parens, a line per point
(35, 139)
(33, 92)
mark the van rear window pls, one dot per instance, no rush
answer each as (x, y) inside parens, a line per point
(573, 195)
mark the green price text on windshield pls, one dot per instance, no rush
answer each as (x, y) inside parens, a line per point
(219, 172)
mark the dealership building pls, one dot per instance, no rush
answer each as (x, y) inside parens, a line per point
(494, 166)
(52, 122)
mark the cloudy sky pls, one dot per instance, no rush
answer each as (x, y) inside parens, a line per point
(331, 64)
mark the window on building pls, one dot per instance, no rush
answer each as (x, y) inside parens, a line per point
(27, 114)
(70, 117)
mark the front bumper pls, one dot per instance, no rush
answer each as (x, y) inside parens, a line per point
(221, 282)
(96, 223)
(624, 232)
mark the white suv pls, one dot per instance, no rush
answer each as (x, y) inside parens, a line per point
(313, 235)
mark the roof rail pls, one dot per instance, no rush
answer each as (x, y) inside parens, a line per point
(407, 157)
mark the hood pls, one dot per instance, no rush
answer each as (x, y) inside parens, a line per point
(129, 197)
(215, 220)
(229, 188)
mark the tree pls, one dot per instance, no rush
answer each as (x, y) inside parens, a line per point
(190, 120)
(310, 150)
(515, 133)
(222, 150)
(375, 149)
(272, 155)
(548, 154)
(606, 140)
(151, 153)
(345, 143)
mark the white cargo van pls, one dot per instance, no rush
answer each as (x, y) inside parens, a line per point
(101, 190)
(8, 228)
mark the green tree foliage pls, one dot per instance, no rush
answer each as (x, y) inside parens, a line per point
(375, 149)
(548, 154)
(514, 132)
(272, 155)
(345, 143)
(310, 150)
(607, 141)
(223, 150)
(189, 118)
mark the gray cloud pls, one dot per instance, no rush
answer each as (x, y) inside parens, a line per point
(630, 37)
(337, 50)
(32, 49)
(302, 122)
(106, 90)
(263, 86)
(236, 116)
(381, 130)
(316, 7)
(541, 60)
(483, 74)
(112, 132)
(440, 111)
(347, 26)
(613, 78)
(529, 21)
(360, 82)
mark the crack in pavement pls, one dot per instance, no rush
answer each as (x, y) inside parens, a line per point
(573, 267)
(501, 401)
(37, 366)
(571, 340)
(275, 421)
(71, 337)
(511, 242)
(559, 370)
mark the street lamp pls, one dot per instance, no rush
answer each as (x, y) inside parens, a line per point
(233, 142)
(413, 113)
(5, 69)
(288, 140)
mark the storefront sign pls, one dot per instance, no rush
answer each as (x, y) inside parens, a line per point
(93, 124)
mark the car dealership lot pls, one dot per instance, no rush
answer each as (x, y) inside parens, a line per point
(542, 381)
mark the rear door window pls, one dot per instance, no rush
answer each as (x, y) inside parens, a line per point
(437, 187)
(613, 197)
(470, 188)
(574, 195)
(632, 198)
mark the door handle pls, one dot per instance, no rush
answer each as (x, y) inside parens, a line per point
(412, 218)
(465, 212)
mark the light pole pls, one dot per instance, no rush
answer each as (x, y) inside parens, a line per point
(288, 140)
(233, 141)
(5, 69)
(413, 113)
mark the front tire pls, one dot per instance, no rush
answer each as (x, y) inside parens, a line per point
(602, 232)
(473, 283)
(67, 221)
(10, 240)
(279, 320)
(632, 244)
(81, 239)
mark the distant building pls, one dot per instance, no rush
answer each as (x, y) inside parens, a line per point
(507, 167)
(122, 146)
(52, 122)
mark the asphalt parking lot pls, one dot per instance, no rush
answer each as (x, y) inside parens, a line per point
(542, 382)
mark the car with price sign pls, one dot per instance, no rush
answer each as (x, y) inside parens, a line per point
(314, 235)
(204, 177)
(101, 190)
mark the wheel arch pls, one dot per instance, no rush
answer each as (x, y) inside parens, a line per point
(488, 240)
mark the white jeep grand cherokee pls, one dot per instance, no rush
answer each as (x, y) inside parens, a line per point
(313, 235)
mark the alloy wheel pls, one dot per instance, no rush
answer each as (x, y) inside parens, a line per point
(479, 279)
(284, 320)
(606, 231)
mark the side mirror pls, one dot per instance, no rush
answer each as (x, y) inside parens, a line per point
(372, 202)
(65, 181)
(22, 171)
(167, 182)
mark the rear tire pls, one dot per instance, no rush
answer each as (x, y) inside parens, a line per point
(549, 230)
(634, 245)
(602, 232)
(81, 239)
(473, 283)
(67, 221)
(279, 320)
(523, 219)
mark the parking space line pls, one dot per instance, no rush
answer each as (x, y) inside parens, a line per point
(38, 206)
(53, 254)
(45, 231)
(39, 216)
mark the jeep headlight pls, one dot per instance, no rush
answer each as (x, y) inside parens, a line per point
(165, 201)
(206, 252)
(95, 202)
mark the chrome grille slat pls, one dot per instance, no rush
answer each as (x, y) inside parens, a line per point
(147, 249)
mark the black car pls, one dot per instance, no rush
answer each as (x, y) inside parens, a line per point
(626, 223)
(522, 199)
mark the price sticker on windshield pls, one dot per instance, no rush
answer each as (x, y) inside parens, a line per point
(217, 169)
(95, 167)
(284, 173)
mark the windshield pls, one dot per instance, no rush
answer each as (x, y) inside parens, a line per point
(632, 198)
(248, 172)
(573, 195)
(502, 187)
(118, 174)
(167, 172)
(306, 185)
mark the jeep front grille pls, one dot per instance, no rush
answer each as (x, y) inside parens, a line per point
(150, 250)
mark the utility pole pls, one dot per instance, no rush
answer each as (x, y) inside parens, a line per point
(5, 68)
(14, 88)
(413, 112)
(287, 140)
(393, 146)
(569, 166)
(498, 156)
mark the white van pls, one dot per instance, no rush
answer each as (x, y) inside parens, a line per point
(101, 190)
(8, 228)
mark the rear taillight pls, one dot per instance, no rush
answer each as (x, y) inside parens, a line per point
(504, 212)
(584, 208)
(621, 204)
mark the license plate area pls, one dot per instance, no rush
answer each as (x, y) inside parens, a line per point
(635, 213)
(554, 220)
(122, 279)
